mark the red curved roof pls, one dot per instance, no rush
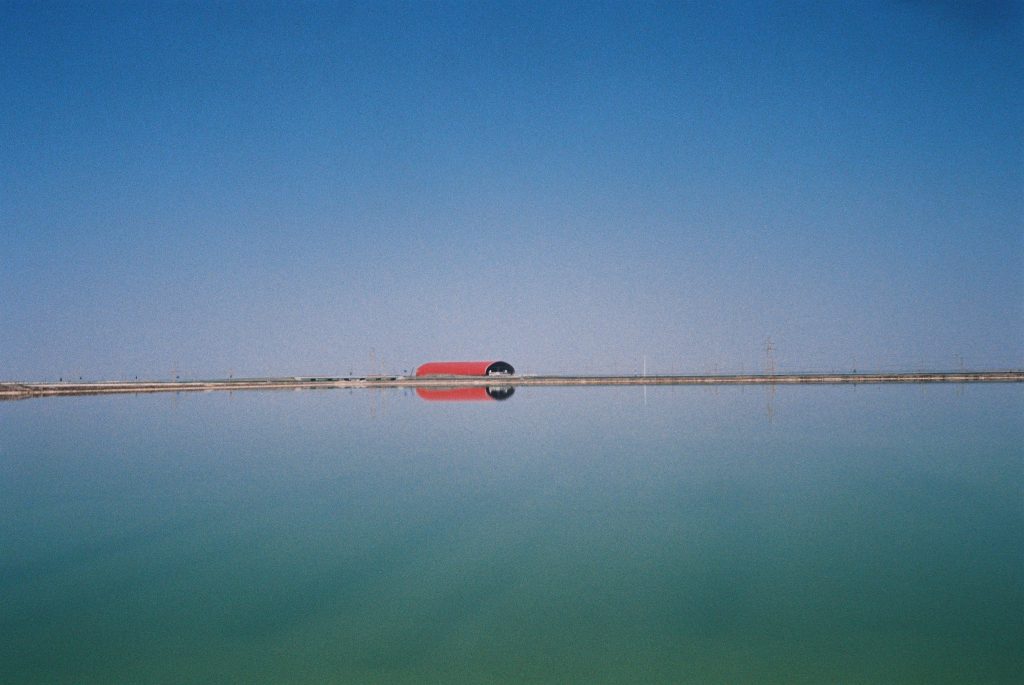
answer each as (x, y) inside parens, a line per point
(454, 368)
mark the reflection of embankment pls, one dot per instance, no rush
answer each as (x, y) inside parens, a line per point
(471, 394)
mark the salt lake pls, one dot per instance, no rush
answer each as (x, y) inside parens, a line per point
(595, 535)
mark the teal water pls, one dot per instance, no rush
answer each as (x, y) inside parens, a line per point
(814, 534)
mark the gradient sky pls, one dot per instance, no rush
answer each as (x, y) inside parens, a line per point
(307, 188)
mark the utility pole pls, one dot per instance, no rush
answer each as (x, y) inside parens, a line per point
(769, 353)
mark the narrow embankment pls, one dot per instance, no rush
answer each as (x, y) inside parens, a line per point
(23, 390)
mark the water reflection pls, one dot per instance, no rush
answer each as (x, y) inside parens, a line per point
(474, 394)
(862, 536)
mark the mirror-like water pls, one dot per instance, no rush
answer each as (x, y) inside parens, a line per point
(813, 534)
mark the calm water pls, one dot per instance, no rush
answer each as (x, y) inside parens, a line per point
(817, 534)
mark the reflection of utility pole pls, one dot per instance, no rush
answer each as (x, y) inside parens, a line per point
(960, 386)
(645, 385)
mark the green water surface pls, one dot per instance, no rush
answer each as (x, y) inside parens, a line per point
(808, 534)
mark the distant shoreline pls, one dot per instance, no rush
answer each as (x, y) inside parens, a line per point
(19, 390)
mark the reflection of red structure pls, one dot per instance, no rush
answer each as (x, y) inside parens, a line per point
(465, 369)
(474, 394)
(454, 394)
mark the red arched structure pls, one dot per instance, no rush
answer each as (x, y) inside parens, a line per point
(465, 369)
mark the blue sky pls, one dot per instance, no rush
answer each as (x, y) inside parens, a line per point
(263, 189)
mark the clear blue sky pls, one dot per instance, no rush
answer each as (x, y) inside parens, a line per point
(323, 188)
